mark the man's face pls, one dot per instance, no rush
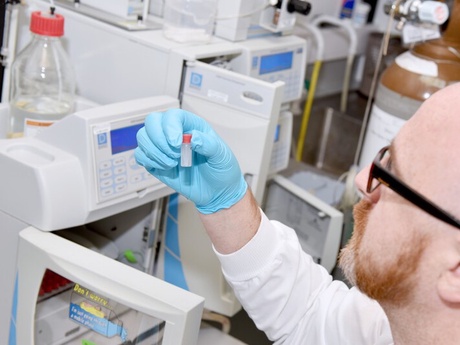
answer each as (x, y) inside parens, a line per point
(383, 256)
(386, 277)
(398, 252)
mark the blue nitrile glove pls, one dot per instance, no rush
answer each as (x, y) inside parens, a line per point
(213, 182)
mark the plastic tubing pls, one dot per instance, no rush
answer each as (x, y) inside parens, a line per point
(262, 7)
(307, 110)
(315, 31)
(311, 91)
(347, 25)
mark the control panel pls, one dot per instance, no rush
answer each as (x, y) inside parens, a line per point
(117, 172)
(277, 58)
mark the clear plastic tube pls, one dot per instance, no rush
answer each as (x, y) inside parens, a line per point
(186, 151)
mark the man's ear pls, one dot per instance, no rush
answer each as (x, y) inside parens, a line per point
(449, 285)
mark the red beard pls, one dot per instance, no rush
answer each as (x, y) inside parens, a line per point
(392, 283)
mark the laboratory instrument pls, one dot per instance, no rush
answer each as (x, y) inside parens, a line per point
(232, 104)
(243, 110)
(317, 224)
(234, 18)
(276, 59)
(159, 65)
(125, 9)
(281, 15)
(42, 78)
(189, 20)
(240, 19)
(80, 173)
(246, 110)
(425, 68)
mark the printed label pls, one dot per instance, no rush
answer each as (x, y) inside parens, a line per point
(195, 80)
(94, 312)
(33, 127)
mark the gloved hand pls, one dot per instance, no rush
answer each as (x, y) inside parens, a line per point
(213, 182)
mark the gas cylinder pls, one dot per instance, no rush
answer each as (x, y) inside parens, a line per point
(412, 78)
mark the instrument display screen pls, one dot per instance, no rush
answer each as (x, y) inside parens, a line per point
(276, 62)
(124, 139)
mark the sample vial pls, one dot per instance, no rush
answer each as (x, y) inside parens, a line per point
(186, 151)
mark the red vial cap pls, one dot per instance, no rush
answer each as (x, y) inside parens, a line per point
(47, 24)
(186, 138)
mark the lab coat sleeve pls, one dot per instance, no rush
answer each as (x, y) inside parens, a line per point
(294, 300)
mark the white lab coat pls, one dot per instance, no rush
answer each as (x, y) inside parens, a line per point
(294, 300)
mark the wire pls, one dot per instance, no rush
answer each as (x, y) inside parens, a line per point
(350, 195)
(383, 51)
(345, 24)
(223, 320)
(248, 14)
(314, 30)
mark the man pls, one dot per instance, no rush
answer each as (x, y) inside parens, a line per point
(404, 255)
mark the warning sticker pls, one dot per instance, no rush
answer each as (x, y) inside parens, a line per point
(94, 312)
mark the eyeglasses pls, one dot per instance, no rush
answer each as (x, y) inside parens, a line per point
(379, 174)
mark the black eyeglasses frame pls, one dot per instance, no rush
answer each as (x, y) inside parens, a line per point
(383, 176)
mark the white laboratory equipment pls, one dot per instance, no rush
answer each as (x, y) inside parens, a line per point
(149, 64)
(189, 20)
(78, 172)
(276, 58)
(113, 65)
(239, 20)
(81, 170)
(318, 225)
(234, 18)
(244, 111)
(280, 16)
(242, 88)
(126, 9)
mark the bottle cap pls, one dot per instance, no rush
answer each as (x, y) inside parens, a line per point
(47, 24)
(186, 138)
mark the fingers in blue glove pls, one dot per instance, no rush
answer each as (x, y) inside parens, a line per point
(151, 155)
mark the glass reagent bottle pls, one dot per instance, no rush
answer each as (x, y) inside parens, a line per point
(42, 78)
